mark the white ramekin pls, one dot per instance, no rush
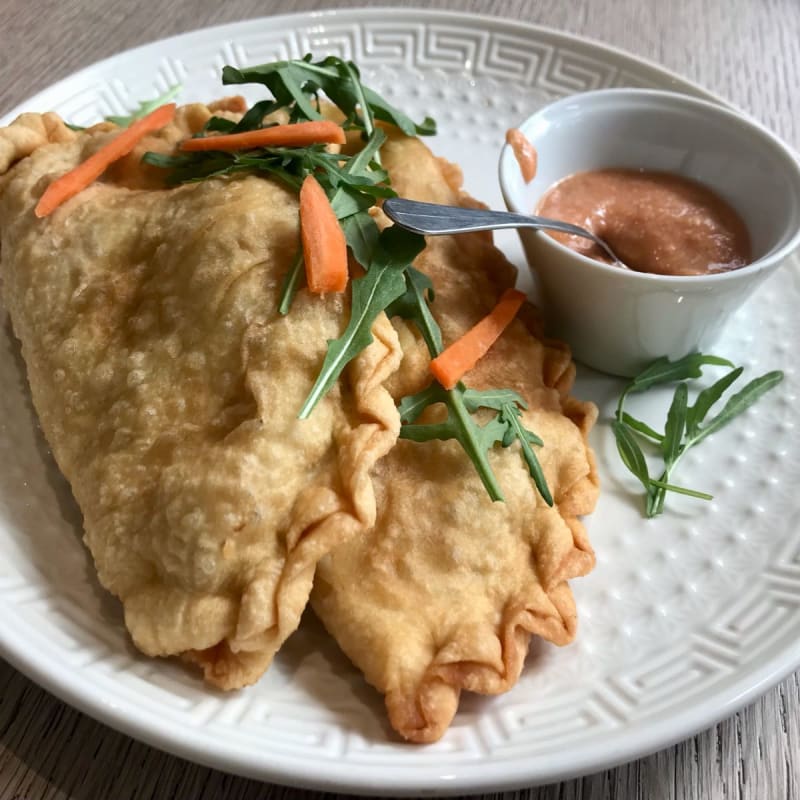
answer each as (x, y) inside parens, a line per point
(619, 320)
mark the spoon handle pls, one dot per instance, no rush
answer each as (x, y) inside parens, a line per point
(434, 219)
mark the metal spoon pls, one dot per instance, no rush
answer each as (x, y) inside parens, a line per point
(434, 219)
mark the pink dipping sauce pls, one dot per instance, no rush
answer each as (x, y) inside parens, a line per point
(654, 221)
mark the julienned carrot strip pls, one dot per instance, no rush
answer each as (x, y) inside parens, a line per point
(324, 245)
(77, 179)
(298, 134)
(461, 356)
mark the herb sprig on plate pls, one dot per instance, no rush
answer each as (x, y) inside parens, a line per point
(143, 109)
(686, 425)
(146, 106)
(353, 184)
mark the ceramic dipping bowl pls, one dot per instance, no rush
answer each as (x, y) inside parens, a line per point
(618, 320)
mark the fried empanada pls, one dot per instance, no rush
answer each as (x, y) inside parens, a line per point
(168, 387)
(445, 591)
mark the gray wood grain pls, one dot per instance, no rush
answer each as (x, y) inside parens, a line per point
(748, 51)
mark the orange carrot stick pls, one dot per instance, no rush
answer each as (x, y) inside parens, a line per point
(299, 134)
(324, 245)
(77, 179)
(461, 356)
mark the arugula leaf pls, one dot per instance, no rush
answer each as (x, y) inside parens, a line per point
(360, 171)
(702, 405)
(293, 83)
(676, 424)
(512, 416)
(491, 398)
(351, 200)
(397, 247)
(388, 113)
(251, 120)
(370, 295)
(361, 234)
(684, 428)
(189, 167)
(671, 448)
(413, 305)
(671, 487)
(146, 107)
(291, 283)
(143, 110)
(740, 402)
(630, 453)
(349, 71)
(665, 371)
(476, 440)
(383, 283)
(285, 83)
(504, 428)
(412, 405)
(642, 427)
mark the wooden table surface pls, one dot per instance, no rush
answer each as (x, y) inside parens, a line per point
(748, 51)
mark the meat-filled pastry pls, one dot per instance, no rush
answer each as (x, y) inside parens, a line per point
(168, 387)
(445, 591)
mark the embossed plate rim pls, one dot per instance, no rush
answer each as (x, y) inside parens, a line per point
(191, 742)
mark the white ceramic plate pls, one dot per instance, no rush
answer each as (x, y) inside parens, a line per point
(685, 619)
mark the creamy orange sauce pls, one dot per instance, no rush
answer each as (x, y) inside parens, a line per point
(524, 152)
(654, 221)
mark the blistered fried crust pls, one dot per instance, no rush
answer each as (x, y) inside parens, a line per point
(444, 593)
(168, 388)
(27, 133)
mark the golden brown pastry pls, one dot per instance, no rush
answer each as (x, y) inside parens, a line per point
(168, 388)
(447, 588)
